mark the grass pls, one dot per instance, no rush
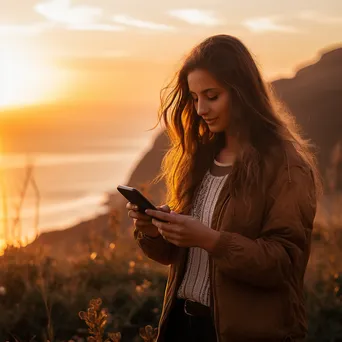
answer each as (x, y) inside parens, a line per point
(96, 320)
(41, 295)
(122, 292)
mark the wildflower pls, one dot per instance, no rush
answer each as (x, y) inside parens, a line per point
(148, 334)
(146, 284)
(91, 314)
(83, 315)
(96, 304)
(96, 320)
(115, 337)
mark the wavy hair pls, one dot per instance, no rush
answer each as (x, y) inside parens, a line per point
(257, 120)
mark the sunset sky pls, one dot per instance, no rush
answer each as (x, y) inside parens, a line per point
(80, 82)
(103, 50)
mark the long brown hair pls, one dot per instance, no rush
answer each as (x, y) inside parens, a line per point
(256, 118)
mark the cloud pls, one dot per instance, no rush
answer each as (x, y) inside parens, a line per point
(61, 11)
(319, 18)
(129, 21)
(196, 16)
(95, 27)
(24, 30)
(267, 24)
(79, 17)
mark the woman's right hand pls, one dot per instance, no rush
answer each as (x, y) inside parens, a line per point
(143, 222)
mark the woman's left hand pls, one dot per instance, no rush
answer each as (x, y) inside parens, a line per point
(184, 230)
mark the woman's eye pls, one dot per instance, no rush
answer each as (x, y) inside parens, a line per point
(209, 98)
(213, 98)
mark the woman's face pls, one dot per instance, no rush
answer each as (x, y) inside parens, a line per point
(211, 100)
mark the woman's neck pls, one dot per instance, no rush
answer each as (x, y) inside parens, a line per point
(228, 153)
(231, 146)
(225, 157)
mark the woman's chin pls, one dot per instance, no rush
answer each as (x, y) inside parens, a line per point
(215, 129)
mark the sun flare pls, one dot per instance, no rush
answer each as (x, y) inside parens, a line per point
(25, 79)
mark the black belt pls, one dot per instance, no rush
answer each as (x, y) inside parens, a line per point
(192, 308)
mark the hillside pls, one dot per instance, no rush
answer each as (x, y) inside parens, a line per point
(314, 96)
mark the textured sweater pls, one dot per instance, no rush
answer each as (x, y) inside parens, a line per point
(195, 284)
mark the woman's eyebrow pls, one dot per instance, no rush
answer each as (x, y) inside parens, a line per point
(204, 91)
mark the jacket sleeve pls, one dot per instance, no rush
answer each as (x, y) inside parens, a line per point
(283, 243)
(157, 249)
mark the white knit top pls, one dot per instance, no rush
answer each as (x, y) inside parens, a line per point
(195, 284)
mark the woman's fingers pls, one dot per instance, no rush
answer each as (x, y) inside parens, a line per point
(140, 224)
(166, 226)
(131, 206)
(134, 213)
(169, 231)
(165, 208)
(139, 216)
(174, 239)
(168, 236)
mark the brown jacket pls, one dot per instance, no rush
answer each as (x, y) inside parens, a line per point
(258, 265)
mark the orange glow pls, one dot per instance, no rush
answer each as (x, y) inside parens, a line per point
(26, 80)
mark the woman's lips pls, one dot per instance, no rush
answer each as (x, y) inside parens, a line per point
(210, 121)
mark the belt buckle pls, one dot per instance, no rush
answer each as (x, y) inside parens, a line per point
(185, 307)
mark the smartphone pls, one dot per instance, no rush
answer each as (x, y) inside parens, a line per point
(136, 197)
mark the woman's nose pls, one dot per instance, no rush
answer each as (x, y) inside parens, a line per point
(202, 108)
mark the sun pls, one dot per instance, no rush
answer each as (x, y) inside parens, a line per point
(25, 79)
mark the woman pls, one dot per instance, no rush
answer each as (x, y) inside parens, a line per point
(243, 186)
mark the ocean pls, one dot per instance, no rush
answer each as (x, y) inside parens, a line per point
(71, 184)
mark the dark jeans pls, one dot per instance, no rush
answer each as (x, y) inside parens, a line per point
(184, 328)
